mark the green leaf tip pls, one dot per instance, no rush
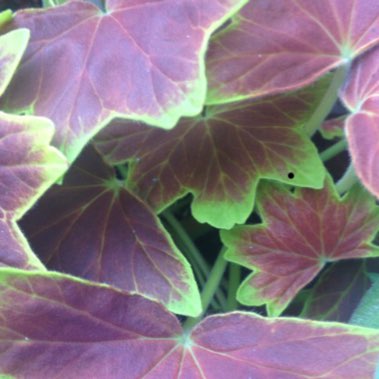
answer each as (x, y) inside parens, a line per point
(12, 47)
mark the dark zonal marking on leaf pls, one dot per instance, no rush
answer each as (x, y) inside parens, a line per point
(140, 60)
(273, 46)
(93, 228)
(300, 233)
(220, 157)
(93, 331)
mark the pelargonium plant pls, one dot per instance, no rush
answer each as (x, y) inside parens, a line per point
(188, 189)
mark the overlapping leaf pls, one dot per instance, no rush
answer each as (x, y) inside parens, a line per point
(272, 46)
(96, 331)
(28, 165)
(301, 232)
(142, 60)
(93, 228)
(361, 96)
(220, 157)
(337, 292)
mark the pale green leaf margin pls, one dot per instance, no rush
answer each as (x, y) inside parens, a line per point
(12, 47)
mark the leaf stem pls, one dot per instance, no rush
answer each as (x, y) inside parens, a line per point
(210, 288)
(199, 265)
(192, 250)
(234, 282)
(328, 100)
(333, 150)
(348, 179)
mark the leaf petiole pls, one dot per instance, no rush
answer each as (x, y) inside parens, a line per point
(210, 288)
(333, 150)
(234, 282)
(348, 179)
(199, 265)
(328, 101)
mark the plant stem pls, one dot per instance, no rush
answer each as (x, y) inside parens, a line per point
(192, 250)
(333, 150)
(234, 282)
(199, 265)
(328, 101)
(347, 181)
(210, 288)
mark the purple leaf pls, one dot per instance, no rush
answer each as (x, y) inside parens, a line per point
(94, 228)
(300, 233)
(141, 59)
(221, 156)
(337, 292)
(272, 46)
(28, 166)
(361, 96)
(53, 325)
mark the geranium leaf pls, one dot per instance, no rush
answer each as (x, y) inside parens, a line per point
(28, 166)
(220, 157)
(142, 60)
(93, 228)
(272, 47)
(337, 292)
(361, 97)
(12, 46)
(93, 330)
(300, 233)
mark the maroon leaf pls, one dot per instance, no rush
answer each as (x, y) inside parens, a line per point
(14, 249)
(219, 157)
(142, 60)
(361, 96)
(28, 166)
(53, 325)
(300, 233)
(337, 292)
(93, 228)
(273, 46)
